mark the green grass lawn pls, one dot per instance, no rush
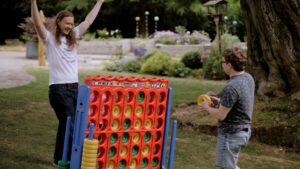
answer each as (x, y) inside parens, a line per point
(28, 128)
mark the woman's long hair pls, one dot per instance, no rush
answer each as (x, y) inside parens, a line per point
(71, 38)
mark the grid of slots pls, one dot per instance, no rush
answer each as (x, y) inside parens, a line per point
(129, 124)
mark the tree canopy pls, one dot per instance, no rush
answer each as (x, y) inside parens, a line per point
(116, 14)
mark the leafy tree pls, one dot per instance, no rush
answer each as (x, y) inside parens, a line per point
(184, 7)
(235, 13)
(120, 14)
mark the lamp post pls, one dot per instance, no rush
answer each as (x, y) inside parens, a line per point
(146, 23)
(234, 23)
(225, 24)
(218, 31)
(137, 20)
(219, 9)
(156, 19)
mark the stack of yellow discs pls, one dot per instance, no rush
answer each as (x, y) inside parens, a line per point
(89, 154)
(201, 99)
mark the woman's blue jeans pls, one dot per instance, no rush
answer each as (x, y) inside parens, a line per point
(63, 100)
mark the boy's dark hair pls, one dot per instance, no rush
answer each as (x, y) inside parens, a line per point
(236, 58)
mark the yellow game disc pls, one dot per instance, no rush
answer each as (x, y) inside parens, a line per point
(127, 111)
(135, 137)
(132, 164)
(90, 142)
(123, 151)
(116, 111)
(114, 125)
(90, 147)
(110, 165)
(84, 167)
(201, 99)
(148, 124)
(86, 164)
(137, 124)
(145, 150)
(89, 156)
(89, 151)
(89, 160)
(139, 111)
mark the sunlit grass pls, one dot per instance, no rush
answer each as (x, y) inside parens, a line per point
(28, 127)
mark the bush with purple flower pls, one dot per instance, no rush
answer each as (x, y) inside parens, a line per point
(171, 38)
(30, 33)
(166, 37)
(199, 37)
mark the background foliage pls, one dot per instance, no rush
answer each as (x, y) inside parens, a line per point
(116, 14)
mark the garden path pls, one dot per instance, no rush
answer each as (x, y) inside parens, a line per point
(13, 67)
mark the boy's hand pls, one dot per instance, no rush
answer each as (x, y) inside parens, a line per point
(204, 106)
(215, 101)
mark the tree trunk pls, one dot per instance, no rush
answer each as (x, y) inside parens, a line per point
(273, 31)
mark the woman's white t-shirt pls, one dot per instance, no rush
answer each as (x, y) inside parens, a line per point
(62, 60)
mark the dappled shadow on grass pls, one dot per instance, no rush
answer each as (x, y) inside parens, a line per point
(283, 136)
(190, 118)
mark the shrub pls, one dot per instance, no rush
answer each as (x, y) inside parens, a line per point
(114, 65)
(212, 67)
(228, 41)
(166, 37)
(119, 65)
(149, 54)
(133, 66)
(187, 38)
(102, 33)
(192, 60)
(178, 69)
(168, 40)
(181, 30)
(89, 36)
(30, 33)
(157, 64)
(181, 37)
(199, 37)
(197, 73)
